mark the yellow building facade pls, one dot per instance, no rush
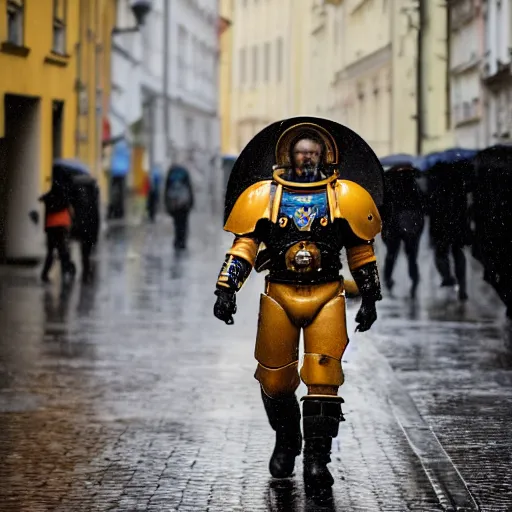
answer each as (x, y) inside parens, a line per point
(354, 61)
(93, 68)
(225, 69)
(437, 132)
(50, 52)
(362, 90)
(267, 67)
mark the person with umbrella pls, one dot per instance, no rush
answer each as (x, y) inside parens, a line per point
(449, 178)
(493, 217)
(57, 227)
(402, 221)
(84, 196)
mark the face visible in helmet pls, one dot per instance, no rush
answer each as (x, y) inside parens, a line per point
(307, 155)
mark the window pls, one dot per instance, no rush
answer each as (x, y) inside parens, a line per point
(182, 56)
(243, 64)
(59, 26)
(267, 61)
(204, 61)
(189, 131)
(254, 64)
(279, 59)
(15, 22)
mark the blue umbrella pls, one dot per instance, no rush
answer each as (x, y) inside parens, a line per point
(67, 171)
(448, 156)
(71, 165)
(398, 159)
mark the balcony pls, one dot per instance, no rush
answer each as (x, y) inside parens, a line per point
(495, 72)
(466, 112)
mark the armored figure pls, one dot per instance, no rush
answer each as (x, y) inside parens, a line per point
(301, 191)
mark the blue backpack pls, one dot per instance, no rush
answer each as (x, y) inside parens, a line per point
(177, 195)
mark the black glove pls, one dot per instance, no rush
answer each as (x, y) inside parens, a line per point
(225, 306)
(366, 315)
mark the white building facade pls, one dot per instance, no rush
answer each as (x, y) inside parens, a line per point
(467, 38)
(194, 125)
(165, 81)
(496, 71)
(137, 82)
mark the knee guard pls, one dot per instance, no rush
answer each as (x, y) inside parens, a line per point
(278, 382)
(321, 370)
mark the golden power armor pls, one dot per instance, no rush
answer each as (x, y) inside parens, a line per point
(301, 191)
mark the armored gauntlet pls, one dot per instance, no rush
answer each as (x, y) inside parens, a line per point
(235, 270)
(367, 280)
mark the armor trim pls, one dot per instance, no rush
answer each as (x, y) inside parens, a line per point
(246, 248)
(297, 186)
(234, 272)
(276, 203)
(357, 207)
(360, 255)
(252, 205)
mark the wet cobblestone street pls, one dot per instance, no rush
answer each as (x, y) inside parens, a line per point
(128, 394)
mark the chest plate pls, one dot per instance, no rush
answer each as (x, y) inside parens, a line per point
(303, 208)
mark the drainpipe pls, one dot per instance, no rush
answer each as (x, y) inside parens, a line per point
(391, 85)
(166, 64)
(448, 60)
(98, 90)
(78, 80)
(419, 78)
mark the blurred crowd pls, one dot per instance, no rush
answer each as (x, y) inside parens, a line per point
(72, 212)
(467, 198)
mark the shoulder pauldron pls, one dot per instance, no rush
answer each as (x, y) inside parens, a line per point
(252, 205)
(347, 200)
(351, 202)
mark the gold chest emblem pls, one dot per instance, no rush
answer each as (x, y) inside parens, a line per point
(303, 257)
(303, 217)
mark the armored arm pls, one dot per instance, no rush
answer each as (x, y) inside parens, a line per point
(363, 266)
(235, 270)
(363, 223)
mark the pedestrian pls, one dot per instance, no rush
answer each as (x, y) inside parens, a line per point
(57, 227)
(447, 207)
(402, 222)
(153, 193)
(492, 214)
(179, 201)
(294, 221)
(85, 199)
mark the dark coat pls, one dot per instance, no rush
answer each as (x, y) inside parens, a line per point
(404, 204)
(447, 204)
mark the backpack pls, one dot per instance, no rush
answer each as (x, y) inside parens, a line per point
(178, 196)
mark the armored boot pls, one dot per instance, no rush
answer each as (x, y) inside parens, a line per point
(284, 418)
(322, 416)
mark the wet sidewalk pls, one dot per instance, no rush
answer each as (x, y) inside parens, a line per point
(129, 395)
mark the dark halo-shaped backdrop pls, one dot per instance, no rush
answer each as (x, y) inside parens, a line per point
(357, 162)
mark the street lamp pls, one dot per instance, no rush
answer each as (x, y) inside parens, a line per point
(140, 9)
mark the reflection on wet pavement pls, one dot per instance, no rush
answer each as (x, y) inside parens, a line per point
(128, 395)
